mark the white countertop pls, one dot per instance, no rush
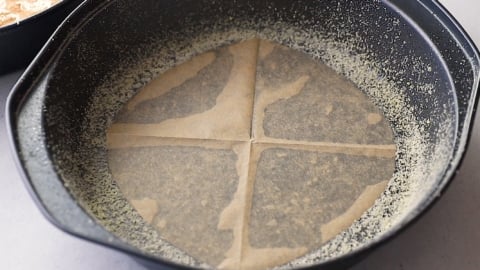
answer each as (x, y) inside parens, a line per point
(447, 237)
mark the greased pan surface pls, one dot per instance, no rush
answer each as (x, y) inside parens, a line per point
(423, 77)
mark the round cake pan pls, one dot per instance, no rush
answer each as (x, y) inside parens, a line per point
(410, 58)
(21, 41)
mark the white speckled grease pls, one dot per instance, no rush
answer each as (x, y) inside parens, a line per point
(410, 136)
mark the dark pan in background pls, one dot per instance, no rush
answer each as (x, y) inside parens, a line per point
(20, 42)
(94, 40)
